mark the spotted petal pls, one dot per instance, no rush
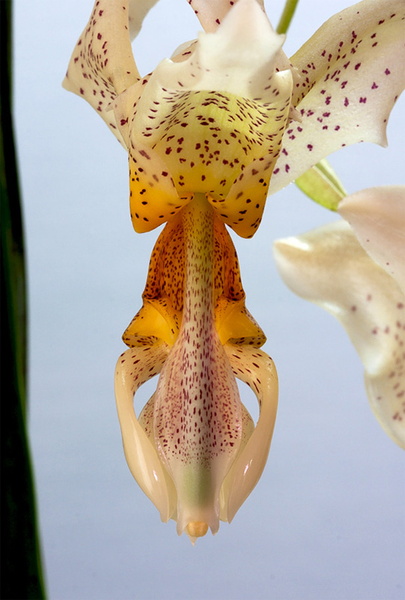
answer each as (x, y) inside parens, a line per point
(377, 216)
(211, 123)
(352, 71)
(328, 266)
(102, 64)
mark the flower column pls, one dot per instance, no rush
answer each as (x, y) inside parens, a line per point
(198, 414)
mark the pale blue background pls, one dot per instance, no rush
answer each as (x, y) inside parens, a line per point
(326, 521)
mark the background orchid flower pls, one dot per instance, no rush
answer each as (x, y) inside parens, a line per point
(358, 276)
(377, 216)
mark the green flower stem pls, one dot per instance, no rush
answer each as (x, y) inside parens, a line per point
(21, 568)
(287, 15)
(322, 185)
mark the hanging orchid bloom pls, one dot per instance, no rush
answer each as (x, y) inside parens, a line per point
(357, 273)
(205, 132)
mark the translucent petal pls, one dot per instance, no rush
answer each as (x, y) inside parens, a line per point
(328, 266)
(256, 369)
(377, 216)
(352, 71)
(134, 367)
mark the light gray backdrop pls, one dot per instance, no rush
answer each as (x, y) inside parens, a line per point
(326, 521)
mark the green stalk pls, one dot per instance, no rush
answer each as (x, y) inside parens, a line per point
(287, 15)
(21, 562)
(322, 185)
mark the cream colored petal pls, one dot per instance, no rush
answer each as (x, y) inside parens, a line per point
(134, 367)
(352, 71)
(102, 64)
(239, 58)
(377, 216)
(329, 267)
(256, 369)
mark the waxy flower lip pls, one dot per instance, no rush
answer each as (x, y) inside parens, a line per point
(249, 364)
(329, 267)
(194, 448)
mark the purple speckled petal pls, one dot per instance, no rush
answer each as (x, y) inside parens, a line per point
(352, 71)
(102, 64)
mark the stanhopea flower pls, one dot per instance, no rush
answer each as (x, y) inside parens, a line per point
(357, 273)
(207, 134)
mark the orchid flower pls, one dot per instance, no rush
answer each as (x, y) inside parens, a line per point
(205, 133)
(356, 272)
